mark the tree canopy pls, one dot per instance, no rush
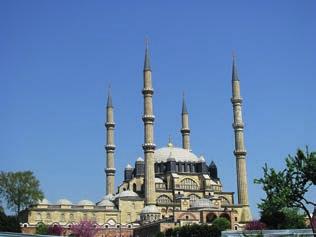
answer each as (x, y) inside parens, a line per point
(287, 188)
(19, 189)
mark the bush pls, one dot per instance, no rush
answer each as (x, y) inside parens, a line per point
(41, 229)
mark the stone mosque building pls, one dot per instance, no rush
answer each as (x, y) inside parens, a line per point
(168, 187)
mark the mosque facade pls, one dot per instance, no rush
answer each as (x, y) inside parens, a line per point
(168, 187)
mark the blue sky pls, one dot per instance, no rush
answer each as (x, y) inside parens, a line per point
(57, 59)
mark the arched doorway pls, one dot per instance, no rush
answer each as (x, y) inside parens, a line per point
(210, 217)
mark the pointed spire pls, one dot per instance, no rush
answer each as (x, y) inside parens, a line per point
(147, 57)
(109, 102)
(184, 106)
(235, 74)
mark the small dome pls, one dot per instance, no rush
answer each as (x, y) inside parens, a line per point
(139, 159)
(85, 203)
(43, 202)
(105, 203)
(128, 167)
(158, 181)
(179, 154)
(109, 197)
(127, 193)
(150, 209)
(202, 159)
(64, 202)
(202, 203)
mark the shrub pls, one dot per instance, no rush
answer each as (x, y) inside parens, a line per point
(55, 230)
(41, 229)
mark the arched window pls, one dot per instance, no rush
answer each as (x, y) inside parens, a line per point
(164, 199)
(193, 197)
(134, 187)
(189, 184)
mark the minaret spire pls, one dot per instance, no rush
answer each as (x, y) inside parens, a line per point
(150, 212)
(240, 151)
(110, 147)
(185, 130)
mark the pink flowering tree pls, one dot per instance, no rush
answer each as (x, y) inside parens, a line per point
(85, 229)
(255, 225)
(55, 229)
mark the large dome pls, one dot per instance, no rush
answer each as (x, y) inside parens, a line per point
(179, 154)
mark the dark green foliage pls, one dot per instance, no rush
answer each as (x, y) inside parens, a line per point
(41, 229)
(19, 189)
(287, 188)
(160, 234)
(287, 218)
(9, 223)
(168, 233)
(214, 230)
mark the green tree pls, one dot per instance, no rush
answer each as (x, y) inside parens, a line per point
(41, 229)
(9, 223)
(287, 188)
(19, 189)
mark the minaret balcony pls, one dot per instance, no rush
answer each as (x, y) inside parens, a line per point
(185, 130)
(148, 91)
(149, 146)
(148, 118)
(238, 125)
(110, 171)
(238, 153)
(109, 124)
(237, 100)
(110, 147)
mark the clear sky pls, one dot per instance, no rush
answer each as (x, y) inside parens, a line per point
(57, 59)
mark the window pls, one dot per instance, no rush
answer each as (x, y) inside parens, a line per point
(164, 199)
(186, 217)
(62, 217)
(188, 184)
(193, 197)
(48, 216)
(236, 218)
(38, 216)
(134, 187)
(71, 217)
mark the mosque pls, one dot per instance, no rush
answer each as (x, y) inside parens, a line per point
(166, 188)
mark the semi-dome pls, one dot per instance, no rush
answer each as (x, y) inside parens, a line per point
(127, 193)
(202, 203)
(85, 203)
(150, 209)
(158, 181)
(128, 167)
(179, 154)
(64, 201)
(105, 203)
(43, 202)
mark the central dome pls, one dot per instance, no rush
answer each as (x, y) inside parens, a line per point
(179, 154)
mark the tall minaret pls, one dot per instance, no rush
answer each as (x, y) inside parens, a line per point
(110, 147)
(149, 145)
(185, 130)
(240, 151)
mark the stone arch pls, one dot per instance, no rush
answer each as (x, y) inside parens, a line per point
(224, 200)
(163, 199)
(226, 216)
(188, 184)
(183, 216)
(210, 217)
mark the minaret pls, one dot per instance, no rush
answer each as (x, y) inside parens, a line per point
(149, 145)
(110, 147)
(240, 151)
(185, 130)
